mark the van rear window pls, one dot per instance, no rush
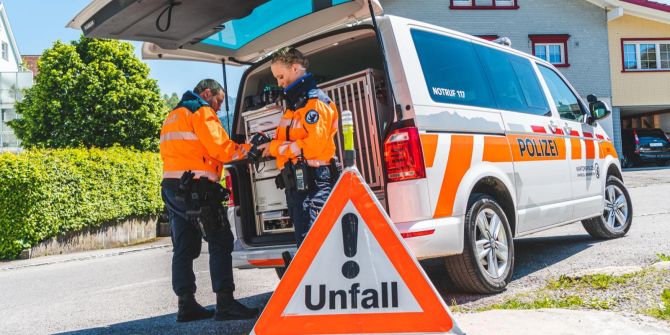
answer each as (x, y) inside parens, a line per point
(452, 70)
(466, 73)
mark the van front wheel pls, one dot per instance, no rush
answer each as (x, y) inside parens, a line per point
(617, 215)
(487, 261)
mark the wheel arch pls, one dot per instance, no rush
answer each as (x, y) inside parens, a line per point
(613, 170)
(489, 179)
(497, 189)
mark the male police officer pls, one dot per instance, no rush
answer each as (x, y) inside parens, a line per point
(194, 146)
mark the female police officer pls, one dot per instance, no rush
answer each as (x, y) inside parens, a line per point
(304, 142)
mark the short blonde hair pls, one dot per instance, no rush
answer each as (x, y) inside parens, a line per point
(290, 56)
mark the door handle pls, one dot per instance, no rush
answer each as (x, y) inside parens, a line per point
(552, 126)
(567, 129)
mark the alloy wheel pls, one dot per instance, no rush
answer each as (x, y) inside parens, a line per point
(616, 208)
(492, 247)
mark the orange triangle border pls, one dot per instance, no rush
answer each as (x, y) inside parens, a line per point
(435, 317)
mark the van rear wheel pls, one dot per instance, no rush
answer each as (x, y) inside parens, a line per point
(487, 261)
(617, 216)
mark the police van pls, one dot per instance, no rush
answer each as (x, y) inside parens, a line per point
(467, 143)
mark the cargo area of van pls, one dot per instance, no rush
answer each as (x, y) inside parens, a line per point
(348, 67)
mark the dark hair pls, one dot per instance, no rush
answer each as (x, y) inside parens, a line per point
(290, 56)
(212, 84)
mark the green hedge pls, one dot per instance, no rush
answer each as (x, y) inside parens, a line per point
(45, 193)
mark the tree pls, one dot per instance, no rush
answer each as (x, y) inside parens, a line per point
(171, 101)
(91, 93)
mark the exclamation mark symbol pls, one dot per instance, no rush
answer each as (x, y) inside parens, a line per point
(350, 268)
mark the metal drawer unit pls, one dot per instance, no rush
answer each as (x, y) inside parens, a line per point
(270, 202)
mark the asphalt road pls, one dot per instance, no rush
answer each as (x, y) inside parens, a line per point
(128, 291)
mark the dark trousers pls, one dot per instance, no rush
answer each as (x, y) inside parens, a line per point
(303, 208)
(187, 242)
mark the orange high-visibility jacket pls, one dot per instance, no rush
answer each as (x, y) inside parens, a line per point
(311, 122)
(192, 138)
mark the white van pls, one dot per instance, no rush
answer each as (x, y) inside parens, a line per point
(470, 145)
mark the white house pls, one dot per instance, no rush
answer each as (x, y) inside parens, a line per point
(13, 79)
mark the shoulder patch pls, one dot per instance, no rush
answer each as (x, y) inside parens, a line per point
(312, 117)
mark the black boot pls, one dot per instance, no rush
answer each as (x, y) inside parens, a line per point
(227, 308)
(190, 310)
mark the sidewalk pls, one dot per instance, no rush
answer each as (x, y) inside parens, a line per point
(159, 242)
(558, 322)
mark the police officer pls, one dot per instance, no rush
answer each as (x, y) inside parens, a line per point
(304, 137)
(193, 140)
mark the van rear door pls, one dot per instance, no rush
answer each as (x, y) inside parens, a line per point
(235, 31)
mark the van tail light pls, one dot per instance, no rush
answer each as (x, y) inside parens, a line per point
(229, 186)
(403, 155)
(637, 142)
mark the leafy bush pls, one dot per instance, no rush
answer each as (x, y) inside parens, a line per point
(47, 192)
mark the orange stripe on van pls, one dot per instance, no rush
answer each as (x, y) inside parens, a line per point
(460, 156)
(590, 149)
(536, 148)
(576, 145)
(429, 145)
(608, 149)
(496, 149)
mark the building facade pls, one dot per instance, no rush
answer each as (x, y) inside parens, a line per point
(571, 34)
(14, 79)
(639, 43)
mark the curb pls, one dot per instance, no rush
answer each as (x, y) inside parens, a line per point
(74, 257)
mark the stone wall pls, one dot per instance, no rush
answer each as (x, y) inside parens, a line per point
(111, 235)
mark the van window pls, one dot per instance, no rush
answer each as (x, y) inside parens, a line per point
(567, 103)
(513, 82)
(452, 70)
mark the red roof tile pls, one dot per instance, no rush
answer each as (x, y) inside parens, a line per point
(31, 63)
(662, 5)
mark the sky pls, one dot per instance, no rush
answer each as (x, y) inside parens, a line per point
(37, 24)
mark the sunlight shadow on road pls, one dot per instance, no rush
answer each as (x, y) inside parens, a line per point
(532, 254)
(166, 324)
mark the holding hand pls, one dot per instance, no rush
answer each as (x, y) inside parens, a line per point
(264, 148)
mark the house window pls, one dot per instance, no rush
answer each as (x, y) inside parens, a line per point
(645, 55)
(5, 51)
(552, 48)
(484, 4)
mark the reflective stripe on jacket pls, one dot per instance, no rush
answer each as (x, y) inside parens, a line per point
(192, 138)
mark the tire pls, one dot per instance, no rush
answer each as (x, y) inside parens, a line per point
(468, 271)
(280, 272)
(613, 223)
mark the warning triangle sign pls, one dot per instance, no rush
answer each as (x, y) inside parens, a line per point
(353, 274)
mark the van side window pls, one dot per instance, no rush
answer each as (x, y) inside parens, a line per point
(452, 70)
(567, 104)
(514, 83)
